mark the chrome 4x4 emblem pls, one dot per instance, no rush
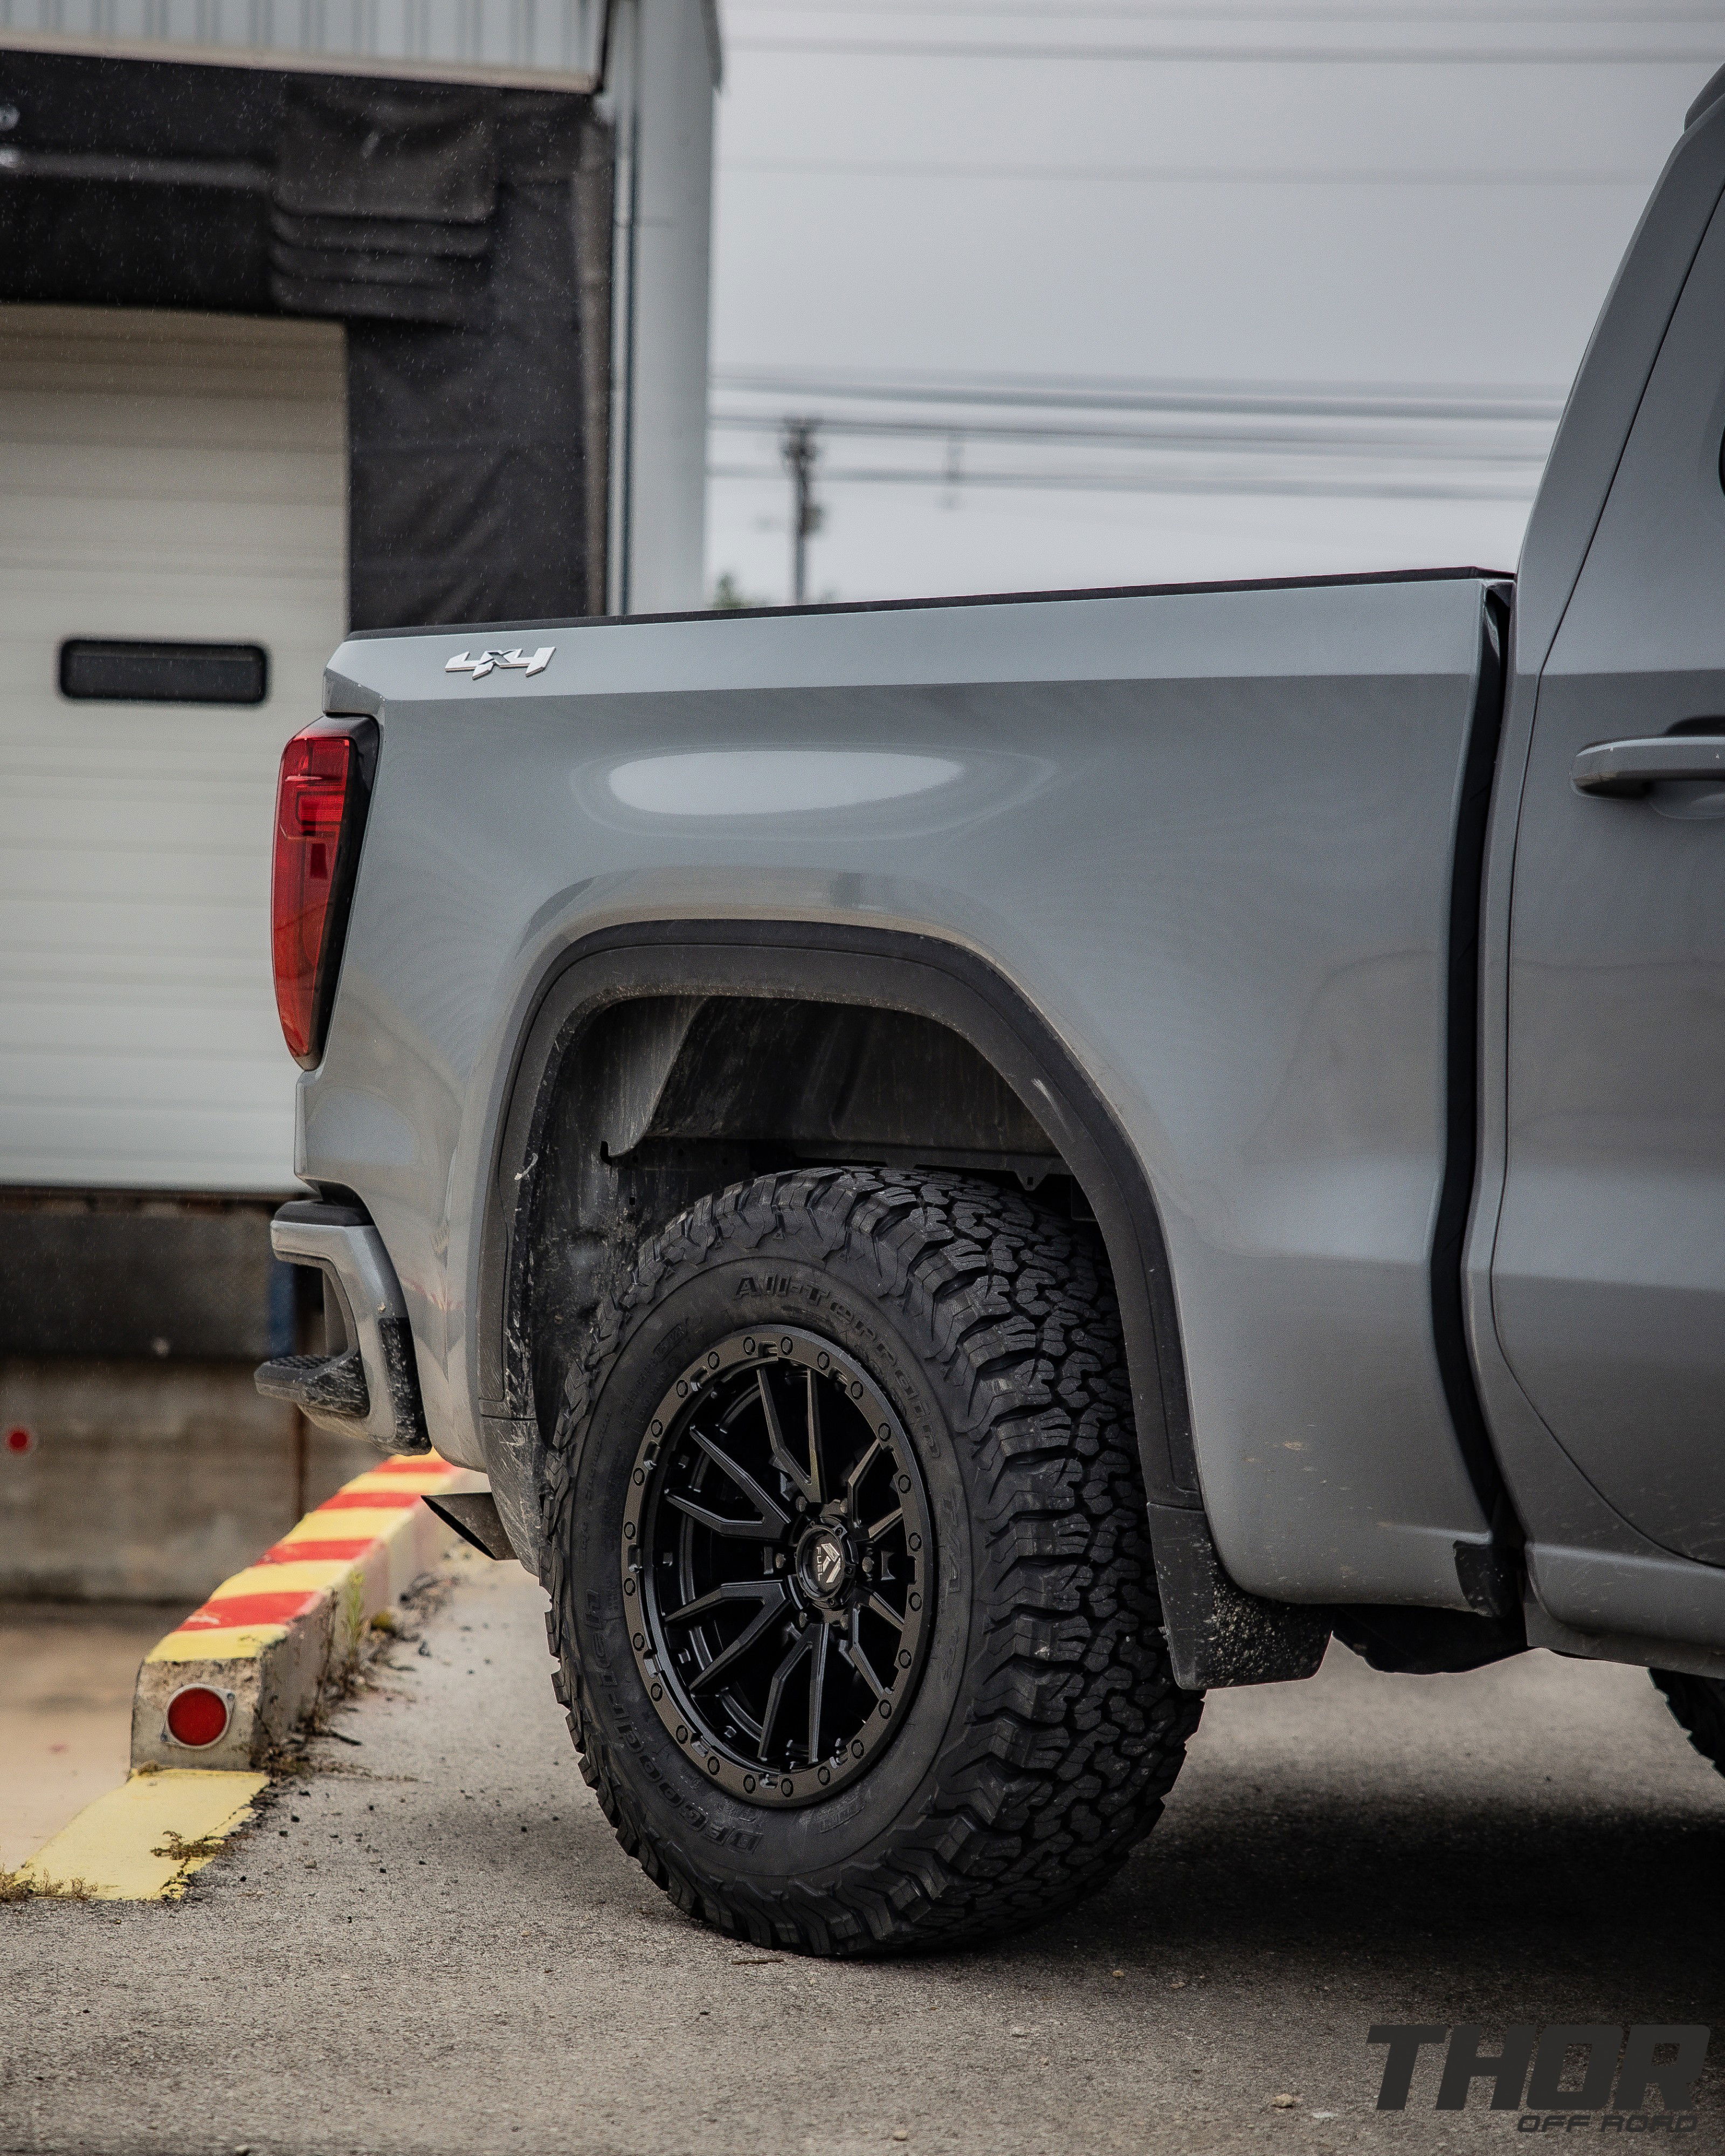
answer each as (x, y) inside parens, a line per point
(516, 661)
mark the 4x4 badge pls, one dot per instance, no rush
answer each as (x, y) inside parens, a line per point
(516, 661)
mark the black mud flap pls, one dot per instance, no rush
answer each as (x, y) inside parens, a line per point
(1217, 1634)
(474, 1516)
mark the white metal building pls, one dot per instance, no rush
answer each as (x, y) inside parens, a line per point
(182, 477)
(164, 477)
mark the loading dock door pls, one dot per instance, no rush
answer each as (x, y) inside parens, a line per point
(166, 482)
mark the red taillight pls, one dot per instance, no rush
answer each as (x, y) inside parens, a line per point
(320, 776)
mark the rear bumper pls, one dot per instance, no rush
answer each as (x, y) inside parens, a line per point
(369, 1388)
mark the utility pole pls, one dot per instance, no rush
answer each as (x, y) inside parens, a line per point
(806, 515)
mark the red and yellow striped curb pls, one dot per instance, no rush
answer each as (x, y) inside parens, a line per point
(269, 1638)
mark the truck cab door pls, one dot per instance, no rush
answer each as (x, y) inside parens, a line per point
(1607, 1281)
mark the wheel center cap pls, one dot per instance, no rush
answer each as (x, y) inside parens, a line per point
(824, 1564)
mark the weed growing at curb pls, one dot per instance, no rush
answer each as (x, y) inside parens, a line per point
(352, 1621)
(22, 1887)
(188, 1852)
(359, 1669)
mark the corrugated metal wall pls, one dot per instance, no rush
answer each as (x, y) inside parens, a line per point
(557, 41)
(164, 476)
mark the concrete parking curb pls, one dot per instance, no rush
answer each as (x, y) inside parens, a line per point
(268, 1639)
(253, 1663)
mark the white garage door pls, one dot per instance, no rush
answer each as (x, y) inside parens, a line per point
(164, 479)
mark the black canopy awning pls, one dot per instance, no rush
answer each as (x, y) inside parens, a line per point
(448, 227)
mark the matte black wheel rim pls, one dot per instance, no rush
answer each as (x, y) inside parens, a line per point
(778, 1567)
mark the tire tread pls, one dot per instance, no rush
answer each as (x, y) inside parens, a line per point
(1076, 1729)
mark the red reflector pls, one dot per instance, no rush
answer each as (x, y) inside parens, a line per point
(198, 1716)
(311, 798)
(20, 1439)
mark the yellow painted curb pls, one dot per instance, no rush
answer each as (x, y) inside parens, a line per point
(142, 1841)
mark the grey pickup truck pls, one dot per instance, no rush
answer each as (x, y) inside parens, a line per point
(970, 1170)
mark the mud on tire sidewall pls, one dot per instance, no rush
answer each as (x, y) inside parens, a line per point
(677, 1805)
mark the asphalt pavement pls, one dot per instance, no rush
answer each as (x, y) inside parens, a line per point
(431, 1942)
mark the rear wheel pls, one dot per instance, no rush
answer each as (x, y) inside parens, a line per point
(851, 1581)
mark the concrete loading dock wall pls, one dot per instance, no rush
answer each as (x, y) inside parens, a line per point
(143, 1484)
(137, 1462)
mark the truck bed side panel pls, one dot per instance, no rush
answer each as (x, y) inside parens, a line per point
(1206, 835)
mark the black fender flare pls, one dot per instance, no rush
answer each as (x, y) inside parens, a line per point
(1218, 1633)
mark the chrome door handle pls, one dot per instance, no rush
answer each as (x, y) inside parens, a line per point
(1623, 770)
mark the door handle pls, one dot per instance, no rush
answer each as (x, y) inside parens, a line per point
(1623, 770)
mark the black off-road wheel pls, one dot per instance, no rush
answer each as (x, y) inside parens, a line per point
(1699, 1705)
(850, 1576)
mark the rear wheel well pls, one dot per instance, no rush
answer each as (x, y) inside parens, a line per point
(663, 1061)
(662, 1100)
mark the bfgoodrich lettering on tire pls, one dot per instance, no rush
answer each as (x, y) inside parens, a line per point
(851, 1585)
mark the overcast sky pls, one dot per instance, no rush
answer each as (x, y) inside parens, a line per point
(1330, 268)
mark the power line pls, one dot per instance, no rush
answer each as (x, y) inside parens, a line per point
(1214, 394)
(1210, 436)
(1186, 175)
(1214, 11)
(1209, 55)
(1183, 482)
(1310, 441)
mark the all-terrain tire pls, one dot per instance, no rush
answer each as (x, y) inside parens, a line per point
(1699, 1705)
(1047, 1727)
